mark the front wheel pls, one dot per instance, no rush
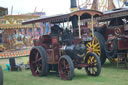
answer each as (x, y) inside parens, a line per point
(94, 64)
(66, 68)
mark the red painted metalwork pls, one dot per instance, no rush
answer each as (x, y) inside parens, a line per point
(116, 33)
(123, 46)
(64, 69)
(54, 40)
(81, 65)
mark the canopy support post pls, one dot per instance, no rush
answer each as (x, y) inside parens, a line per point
(79, 26)
(33, 33)
(68, 25)
(92, 26)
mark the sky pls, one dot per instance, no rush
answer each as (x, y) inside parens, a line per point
(50, 7)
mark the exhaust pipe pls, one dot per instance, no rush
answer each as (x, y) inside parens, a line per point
(73, 6)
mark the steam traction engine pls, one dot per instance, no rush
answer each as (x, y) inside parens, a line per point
(64, 49)
(111, 37)
(116, 47)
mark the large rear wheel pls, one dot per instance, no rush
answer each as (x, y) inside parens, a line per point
(94, 64)
(66, 68)
(38, 61)
(97, 46)
(111, 49)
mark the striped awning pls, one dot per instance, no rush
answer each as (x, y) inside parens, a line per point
(20, 53)
(15, 26)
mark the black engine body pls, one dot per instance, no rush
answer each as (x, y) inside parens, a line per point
(75, 51)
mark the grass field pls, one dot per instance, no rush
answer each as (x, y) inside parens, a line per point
(110, 75)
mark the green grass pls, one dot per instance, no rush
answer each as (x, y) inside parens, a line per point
(110, 75)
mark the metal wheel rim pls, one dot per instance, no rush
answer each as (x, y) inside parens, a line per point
(64, 69)
(92, 65)
(35, 62)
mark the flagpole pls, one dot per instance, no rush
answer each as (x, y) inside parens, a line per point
(41, 24)
(35, 10)
(12, 10)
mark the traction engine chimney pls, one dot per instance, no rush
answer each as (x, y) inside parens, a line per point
(73, 6)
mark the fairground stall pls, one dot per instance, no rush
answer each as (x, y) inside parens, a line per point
(3, 12)
(16, 39)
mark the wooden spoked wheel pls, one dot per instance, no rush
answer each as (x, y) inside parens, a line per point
(38, 61)
(97, 46)
(94, 64)
(66, 68)
(94, 46)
